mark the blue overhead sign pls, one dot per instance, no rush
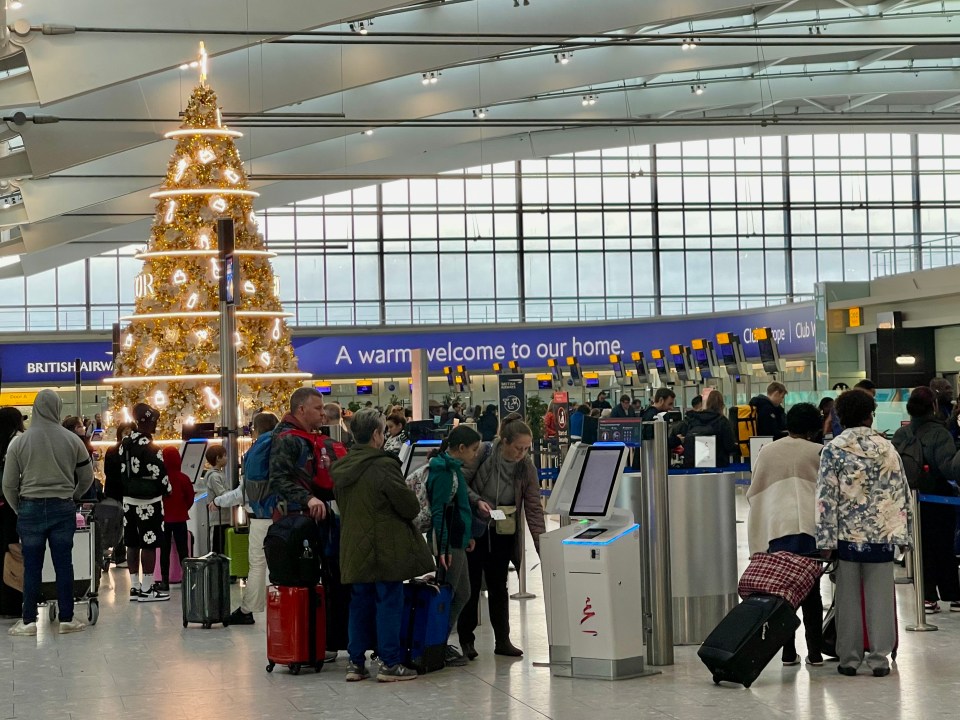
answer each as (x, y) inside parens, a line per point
(531, 346)
(376, 353)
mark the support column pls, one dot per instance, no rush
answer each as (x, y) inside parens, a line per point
(229, 282)
(420, 376)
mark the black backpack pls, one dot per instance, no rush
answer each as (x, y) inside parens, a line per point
(914, 466)
(292, 548)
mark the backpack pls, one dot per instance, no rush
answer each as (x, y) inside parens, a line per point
(911, 454)
(292, 549)
(256, 477)
(743, 418)
(417, 481)
(318, 467)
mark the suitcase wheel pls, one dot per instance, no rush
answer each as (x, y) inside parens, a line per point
(746, 686)
(716, 679)
(295, 669)
(52, 610)
(318, 666)
(93, 611)
(185, 623)
(270, 667)
(207, 626)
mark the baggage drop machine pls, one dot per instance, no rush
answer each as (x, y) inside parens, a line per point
(591, 570)
(708, 367)
(686, 374)
(738, 370)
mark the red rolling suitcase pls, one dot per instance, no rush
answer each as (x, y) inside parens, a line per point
(296, 627)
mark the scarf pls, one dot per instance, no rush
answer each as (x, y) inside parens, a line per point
(498, 477)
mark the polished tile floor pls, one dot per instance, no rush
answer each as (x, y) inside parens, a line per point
(139, 662)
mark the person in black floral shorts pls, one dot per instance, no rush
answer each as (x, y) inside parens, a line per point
(145, 483)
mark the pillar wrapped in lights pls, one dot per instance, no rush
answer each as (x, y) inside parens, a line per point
(169, 348)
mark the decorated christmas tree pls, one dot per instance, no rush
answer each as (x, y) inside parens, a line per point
(169, 353)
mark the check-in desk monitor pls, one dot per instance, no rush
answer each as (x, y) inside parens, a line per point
(414, 456)
(561, 497)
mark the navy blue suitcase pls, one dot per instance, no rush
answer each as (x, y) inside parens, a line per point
(425, 624)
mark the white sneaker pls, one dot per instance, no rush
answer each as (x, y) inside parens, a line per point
(22, 628)
(72, 626)
(154, 594)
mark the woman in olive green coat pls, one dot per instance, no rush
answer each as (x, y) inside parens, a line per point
(379, 546)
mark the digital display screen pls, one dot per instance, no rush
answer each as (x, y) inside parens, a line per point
(228, 279)
(591, 533)
(625, 430)
(419, 456)
(364, 389)
(325, 389)
(768, 356)
(557, 372)
(680, 363)
(545, 384)
(660, 364)
(574, 372)
(702, 360)
(729, 358)
(597, 479)
(592, 382)
(192, 459)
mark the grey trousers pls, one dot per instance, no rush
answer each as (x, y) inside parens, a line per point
(459, 578)
(878, 589)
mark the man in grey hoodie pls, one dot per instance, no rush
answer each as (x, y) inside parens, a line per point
(47, 470)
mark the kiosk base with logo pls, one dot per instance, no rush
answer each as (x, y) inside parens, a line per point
(591, 570)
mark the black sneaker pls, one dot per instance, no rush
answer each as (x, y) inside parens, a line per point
(453, 658)
(356, 673)
(469, 650)
(881, 672)
(239, 617)
(509, 650)
(848, 671)
(164, 586)
(135, 594)
(154, 594)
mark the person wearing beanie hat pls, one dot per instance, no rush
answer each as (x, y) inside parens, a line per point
(145, 483)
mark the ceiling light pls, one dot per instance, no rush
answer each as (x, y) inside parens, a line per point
(361, 26)
(956, 358)
(516, 3)
(185, 66)
(368, 131)
(689, 44)
(431, 78)
(906, 360)
(195, 64)
(563, 58)
(698, 89)
(481, 113)
(589, 100)
(15, 5)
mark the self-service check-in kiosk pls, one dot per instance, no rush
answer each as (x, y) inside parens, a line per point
(591, 570)
(414, 455)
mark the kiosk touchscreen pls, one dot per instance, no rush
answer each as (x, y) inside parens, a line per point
(414, 456)
(192, 455)
(192, 458)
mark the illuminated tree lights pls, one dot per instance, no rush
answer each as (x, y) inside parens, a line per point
(170, 350)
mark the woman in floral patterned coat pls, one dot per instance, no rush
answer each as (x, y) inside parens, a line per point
(863, 513)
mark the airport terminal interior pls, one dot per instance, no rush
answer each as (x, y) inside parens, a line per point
(590, 216)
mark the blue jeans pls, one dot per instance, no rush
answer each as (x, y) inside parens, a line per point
(375, 612)
(55, 520)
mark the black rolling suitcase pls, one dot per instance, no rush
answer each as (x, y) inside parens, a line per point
(206, 590)
(748, 638)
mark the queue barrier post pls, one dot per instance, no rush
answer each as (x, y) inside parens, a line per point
(921, 625)
(522, 570)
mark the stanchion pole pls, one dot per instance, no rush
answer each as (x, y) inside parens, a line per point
(921, 625)
(522, 570)
(908, 569)
(655, 526)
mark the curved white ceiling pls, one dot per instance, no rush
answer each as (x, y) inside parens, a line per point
(85, 180)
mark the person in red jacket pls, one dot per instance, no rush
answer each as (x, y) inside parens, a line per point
(176, 508)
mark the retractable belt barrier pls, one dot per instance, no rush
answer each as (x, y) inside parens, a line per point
(916, 498)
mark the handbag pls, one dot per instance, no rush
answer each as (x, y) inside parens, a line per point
(13, 567)
(783, 574)
(507, 526)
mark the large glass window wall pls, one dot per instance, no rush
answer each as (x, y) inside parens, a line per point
(676, 228)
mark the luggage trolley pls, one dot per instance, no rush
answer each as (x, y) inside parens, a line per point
(86, 573)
